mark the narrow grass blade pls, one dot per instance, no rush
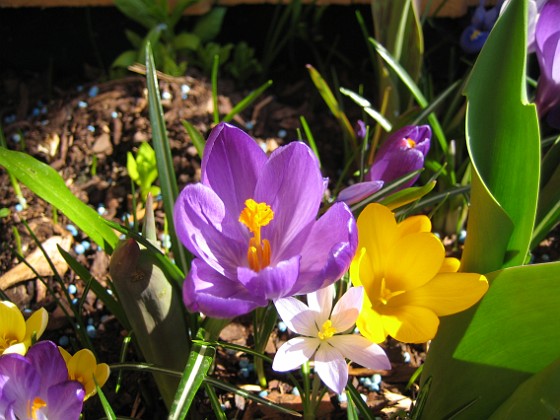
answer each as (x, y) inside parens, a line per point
(214, 79)
(414, 90)
(367, 107)
(46, 183)
(309, 137)
(108, 300)
(200, 360)
(248, 100)
(214, 401)
(334, 106)
(196, 137)
(166, 171)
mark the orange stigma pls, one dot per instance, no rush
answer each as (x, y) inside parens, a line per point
(254, 216)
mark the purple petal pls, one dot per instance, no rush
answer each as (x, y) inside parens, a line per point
(294, 353)
(207, 291)
(362, 351)
(331, 367)
(328, 250)
(18, 380)
(297, 316)
(396, 141)
(48, 362)
(231, 166)
(65, 401)
(292, 185)
(199, 216)
(396, 164)
(359, 191)
(273, 282)
(547, 37)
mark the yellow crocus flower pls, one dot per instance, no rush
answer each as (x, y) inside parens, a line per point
(408, 281)
(83, 367)
(16, 334)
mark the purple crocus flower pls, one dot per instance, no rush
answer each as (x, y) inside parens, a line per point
(252, 226)
(547, 40)
(474, 36)
(403, 152)
(36, 386)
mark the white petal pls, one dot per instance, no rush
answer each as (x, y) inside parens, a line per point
(294, 353)
(347, 309)
(331, 367)
(321, 301)
(362, 351)
(297, 316)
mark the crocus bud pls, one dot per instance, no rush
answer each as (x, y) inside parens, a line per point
(153, 307)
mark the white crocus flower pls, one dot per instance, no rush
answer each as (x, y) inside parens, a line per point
(324, 336)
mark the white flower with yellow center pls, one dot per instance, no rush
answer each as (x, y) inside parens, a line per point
(326, 337)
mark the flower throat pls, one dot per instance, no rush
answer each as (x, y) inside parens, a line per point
(254, 216)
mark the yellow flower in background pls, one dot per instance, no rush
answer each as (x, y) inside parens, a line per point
(407, 279)
(83, 367)
(16, 333)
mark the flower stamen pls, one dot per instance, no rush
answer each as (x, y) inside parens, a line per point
(327, 330)
(254, 216)
(34, 406)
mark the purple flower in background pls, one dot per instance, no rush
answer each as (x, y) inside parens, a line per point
(534, 8)
(403, 152)
(252, 226)
(547, 41)
(36, 385)
(474, 36)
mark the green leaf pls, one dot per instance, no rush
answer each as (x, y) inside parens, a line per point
(145, 12)
(200, 360)
(208, 26)
(367, 107)
(517, 314)
(186, 41)
(503, 142)
(548, 210)
(166, 171)
(46, 183)
(536, 398)
(334, 106)
(127, 58)
(196, 138)
(248, 100)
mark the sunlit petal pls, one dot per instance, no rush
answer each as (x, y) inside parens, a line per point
(446, 293)
(321, 301)
(413, 261)
(331, 367)
(410, 324)
(370, 324)
(450, 265)
(297, 316)
(294, 353)
(347, 309)
(361, 351)
(36, 324)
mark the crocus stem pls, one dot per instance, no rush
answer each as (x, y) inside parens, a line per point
(264, 321)
(308, 409)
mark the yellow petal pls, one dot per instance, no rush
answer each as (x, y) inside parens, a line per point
(65, 355)
(410, 324)
(81, 368)
(446, 293)
(450, 265)
(361, 274)
(36, 324)
(369, 323)
(12, 325)
(377, 230)
(413, 261)
(18, 348)
(414, 224)
(102, 372)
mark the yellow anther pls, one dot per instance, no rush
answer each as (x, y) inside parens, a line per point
(476, 33)
(34, 406)
(254, 216)
(411, 143)
(327, 330)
